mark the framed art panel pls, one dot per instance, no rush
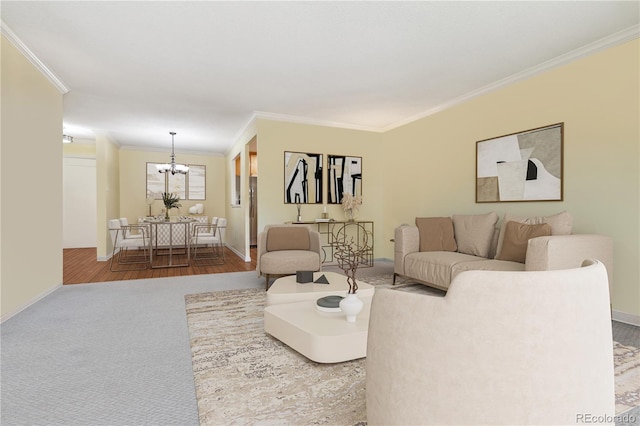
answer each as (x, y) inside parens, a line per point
(345, 176)
(177, 184)
(302, 178)
(196, 177)
(524, 166)
(156, 183)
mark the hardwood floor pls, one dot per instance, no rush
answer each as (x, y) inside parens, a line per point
(80, 266)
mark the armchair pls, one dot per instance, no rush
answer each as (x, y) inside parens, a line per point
(499, 348)
(286, 249)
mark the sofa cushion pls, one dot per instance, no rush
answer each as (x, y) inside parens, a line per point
(516, 238)
(288, 238)
(436, 234)
(561, 224)
(485, 265)
(289, 262)
(474, 233)
(434, 267)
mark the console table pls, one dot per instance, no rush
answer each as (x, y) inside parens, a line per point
(332, 229)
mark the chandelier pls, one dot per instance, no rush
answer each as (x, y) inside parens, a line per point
(172, 168)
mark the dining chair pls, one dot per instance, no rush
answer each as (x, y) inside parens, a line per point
(208, 240)
(124, 223)
(122, 245)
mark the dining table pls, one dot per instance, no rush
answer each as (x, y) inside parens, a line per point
(167, 236)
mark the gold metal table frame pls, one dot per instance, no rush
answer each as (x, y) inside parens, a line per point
(153, 224)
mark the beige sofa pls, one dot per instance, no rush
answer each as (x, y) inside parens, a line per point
(435, 250)
(512, 348)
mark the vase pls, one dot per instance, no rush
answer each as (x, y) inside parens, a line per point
(351, 306)
(166, 215)
(350, 214)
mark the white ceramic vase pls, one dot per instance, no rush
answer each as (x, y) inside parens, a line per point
(351, 306)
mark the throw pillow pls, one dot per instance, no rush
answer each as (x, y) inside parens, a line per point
(474, 233)
(288, 238)
(560, 223)
(436, 234)
(516, 238)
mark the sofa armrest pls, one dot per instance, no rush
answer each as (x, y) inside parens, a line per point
(315, 245)
(262, 248)
(569, 251)
(406, 240)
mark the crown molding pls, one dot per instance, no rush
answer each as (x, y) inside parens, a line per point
(165, 150)
(13, 38)
(589, 49)
(242, 135)
(314, 122)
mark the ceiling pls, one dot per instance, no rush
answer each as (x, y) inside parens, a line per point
(205, 69)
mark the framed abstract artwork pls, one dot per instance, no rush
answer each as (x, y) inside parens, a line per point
(524, 166)
(302, 178)
(345, 176)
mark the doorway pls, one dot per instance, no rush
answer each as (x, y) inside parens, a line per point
(253, 193)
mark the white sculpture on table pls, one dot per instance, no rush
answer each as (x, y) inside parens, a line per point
(197, 209)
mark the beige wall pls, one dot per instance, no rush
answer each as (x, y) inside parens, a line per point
(85, 150)
(30, 136)
(133, 184)
(108, 191)
(432, 161)
(274, 138)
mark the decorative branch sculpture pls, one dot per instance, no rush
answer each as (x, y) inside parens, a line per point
(349, 250)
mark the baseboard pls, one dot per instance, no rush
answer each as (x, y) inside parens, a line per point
(29, 303)
(107, 257)
(625, 318)
(240, 255)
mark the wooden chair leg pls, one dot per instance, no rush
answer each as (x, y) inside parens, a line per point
(267, 283)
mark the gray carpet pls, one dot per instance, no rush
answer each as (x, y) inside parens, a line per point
(113, 353)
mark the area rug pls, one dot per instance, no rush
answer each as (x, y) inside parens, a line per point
(244, 376)
(627, 377)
